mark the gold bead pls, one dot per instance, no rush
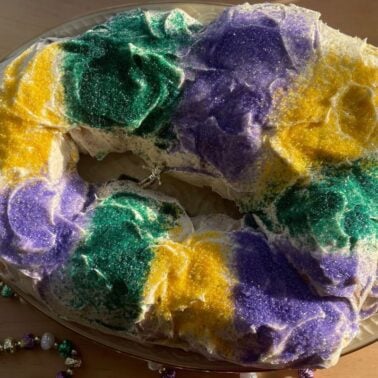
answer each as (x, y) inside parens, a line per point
(9, 345)
(72, 362)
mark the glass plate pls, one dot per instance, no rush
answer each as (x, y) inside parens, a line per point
(205, 12)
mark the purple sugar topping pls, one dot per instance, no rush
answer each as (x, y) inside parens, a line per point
(279, 312)
(339, 273)
(233, 69)
(40, 222)
(342, 274)
(29, 216)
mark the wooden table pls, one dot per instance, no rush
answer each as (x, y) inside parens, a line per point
(20, 20)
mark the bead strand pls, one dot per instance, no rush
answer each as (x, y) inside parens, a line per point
(167, 372)
(306, 373)
(47, 341)
(68, 352)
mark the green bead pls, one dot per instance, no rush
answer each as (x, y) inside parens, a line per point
(65, 348)
(6, 291)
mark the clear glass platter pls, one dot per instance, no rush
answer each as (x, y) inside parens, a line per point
(205, 12)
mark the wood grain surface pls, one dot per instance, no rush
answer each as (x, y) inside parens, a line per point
(21, 20)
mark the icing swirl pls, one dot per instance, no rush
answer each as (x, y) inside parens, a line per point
(125, 73)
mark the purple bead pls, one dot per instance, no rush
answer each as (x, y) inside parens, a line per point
(306, 373)
(62, 374)
(168, 373)
(28, 341)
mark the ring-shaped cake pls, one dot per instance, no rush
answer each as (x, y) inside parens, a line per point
(269, 107)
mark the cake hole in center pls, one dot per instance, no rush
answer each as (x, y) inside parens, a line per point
(127, 166)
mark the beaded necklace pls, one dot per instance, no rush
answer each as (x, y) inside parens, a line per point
(47, 341)
(72, 360)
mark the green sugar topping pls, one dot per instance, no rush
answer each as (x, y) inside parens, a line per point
(107, 272)
(336, 210)
(125, 72)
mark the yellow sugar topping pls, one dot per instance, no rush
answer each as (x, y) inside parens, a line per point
(190, 285)
(29, 100)
(32, 88)
(24, 150)
(329, 115)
